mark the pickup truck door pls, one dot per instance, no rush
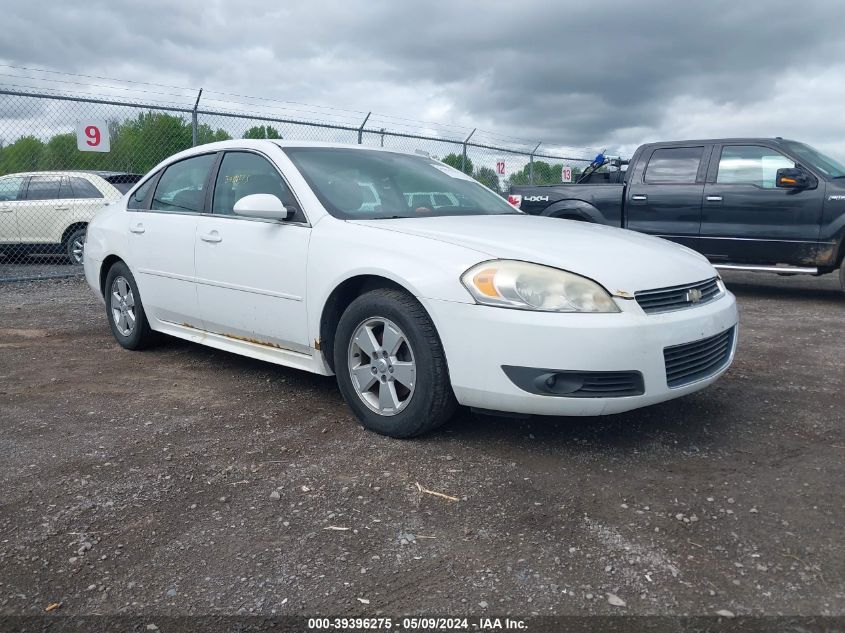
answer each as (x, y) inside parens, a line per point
(664, 193)
(745, 218)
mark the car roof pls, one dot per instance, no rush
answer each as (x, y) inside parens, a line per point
(284, 144)
(75, 172)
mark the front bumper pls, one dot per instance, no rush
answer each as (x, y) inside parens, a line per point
(480, 340)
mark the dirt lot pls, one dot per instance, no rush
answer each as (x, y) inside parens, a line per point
(184, 480)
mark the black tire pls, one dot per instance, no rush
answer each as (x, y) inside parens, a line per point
(141, 335)
(71, 246)
(432, 402)
(842, 274)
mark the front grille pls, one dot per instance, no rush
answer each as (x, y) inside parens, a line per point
(576, 384)
(678, 297)
(697, 360)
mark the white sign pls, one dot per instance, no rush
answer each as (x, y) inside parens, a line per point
(566, 174)
(92, 136)
(500, 167)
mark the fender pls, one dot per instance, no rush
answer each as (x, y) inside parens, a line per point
(575, 210)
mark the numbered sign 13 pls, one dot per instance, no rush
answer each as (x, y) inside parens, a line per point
(500, 167)
(92, 136)
(566, 174)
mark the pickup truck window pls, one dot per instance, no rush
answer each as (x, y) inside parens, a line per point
(673, 165)
(750, 165)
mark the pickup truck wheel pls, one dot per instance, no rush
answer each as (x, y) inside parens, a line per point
(390, 365)
(842, 274)
(125, 311)
(75, 246)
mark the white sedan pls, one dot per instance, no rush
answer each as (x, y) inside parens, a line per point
(317, 257)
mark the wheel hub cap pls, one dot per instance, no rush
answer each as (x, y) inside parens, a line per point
(381, 365)
(122, 306)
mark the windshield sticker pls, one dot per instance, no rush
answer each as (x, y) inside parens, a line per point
(454, 173)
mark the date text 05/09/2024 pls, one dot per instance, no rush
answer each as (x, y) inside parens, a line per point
(418, 623)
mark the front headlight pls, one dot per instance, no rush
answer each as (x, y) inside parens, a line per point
(515, 284)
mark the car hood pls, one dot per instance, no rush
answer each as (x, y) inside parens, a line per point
(622, 261)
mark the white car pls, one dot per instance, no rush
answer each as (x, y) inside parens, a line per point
(48, 211)
(267, 249)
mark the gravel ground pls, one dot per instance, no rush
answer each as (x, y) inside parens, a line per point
(37, 267)
(184, 480)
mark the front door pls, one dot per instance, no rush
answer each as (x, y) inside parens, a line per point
(251, 271)
(746, 219)
(161, 227)
(664, 198)
(10, 191)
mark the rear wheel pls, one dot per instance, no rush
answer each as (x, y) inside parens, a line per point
(75, 246)
(390, 365)
(125, 311)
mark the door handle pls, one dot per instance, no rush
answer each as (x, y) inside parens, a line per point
(714, 198)
(138, 228)
(639, 197)
(213, 237)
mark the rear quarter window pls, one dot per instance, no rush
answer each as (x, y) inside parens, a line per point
(82, 188)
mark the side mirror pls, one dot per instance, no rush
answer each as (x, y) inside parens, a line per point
(262, 205)
(792, 178)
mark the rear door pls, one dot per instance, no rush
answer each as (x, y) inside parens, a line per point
(162, 223)
(747, 219)
(39, 217)
(251, 271)
(664, 193)
(80, 199)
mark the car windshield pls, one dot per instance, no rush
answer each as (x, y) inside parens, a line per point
(356, 184)
(815, 159)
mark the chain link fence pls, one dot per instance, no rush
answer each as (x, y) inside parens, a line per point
(55, 175)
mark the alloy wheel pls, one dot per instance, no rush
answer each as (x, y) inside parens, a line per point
(77, 249)
(123, 306)
(382, 366)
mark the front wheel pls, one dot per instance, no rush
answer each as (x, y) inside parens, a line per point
(75, 246)
(390, 365)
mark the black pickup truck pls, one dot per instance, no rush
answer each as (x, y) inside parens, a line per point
(759, 204)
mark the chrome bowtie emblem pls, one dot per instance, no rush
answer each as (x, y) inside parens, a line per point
(693, 295)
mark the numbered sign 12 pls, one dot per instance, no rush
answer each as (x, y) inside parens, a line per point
(92, 136)
(500, 167)
(566, 174)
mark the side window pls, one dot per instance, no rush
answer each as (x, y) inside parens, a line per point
(82, 188)
(182, 185)
(243, 174)
(136, 200)
(673, 165)
(750, 165)
(43, 188)
(10, 188)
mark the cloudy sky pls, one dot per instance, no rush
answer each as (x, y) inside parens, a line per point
(583, 75)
